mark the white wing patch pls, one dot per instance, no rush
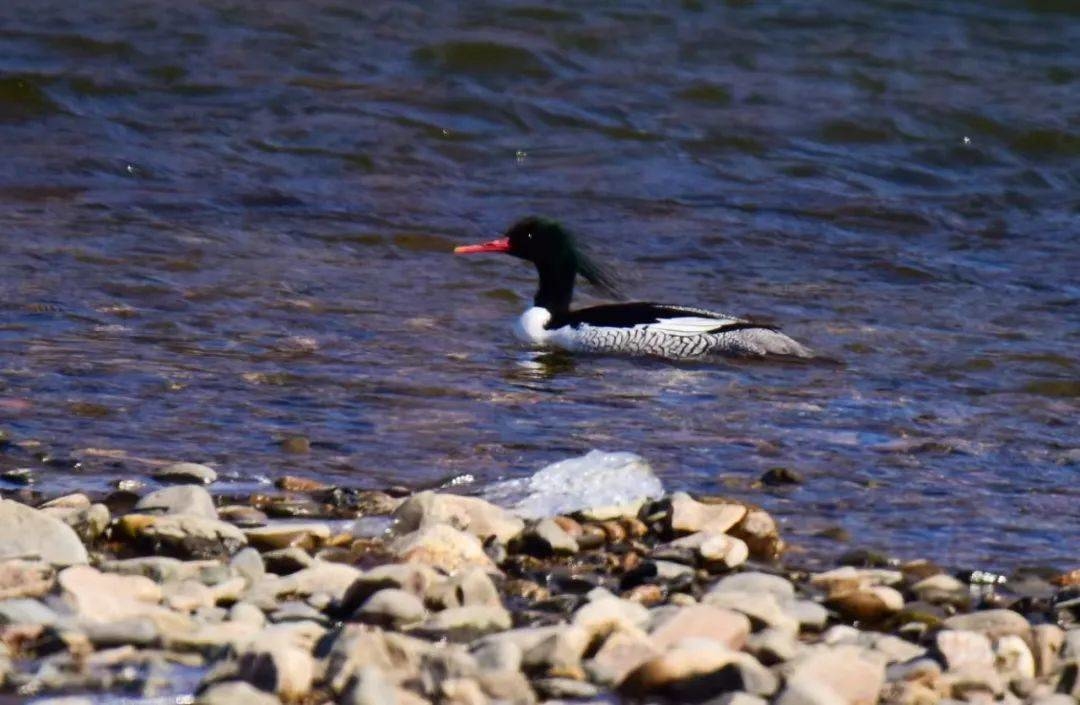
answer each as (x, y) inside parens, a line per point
(688, 325)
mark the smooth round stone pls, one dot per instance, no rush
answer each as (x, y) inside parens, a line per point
(25, 531)
(464, 624)
(754, 582)
(193, 473)
(235, 693)
(391, 609)
(306, 535)
(992, 623)
(964, 649)
(181, 499)
(242, 516)
(725, 626)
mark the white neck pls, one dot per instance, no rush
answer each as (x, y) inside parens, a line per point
(530, 326)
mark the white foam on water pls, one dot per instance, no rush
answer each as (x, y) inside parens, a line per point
(596, 479)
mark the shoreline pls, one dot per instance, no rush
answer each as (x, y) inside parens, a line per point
(302, 595)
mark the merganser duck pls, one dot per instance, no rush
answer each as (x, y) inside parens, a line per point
(642, 328)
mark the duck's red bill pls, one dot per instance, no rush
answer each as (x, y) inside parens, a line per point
(500, 245)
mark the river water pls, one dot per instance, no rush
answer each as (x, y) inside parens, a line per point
(223, 224)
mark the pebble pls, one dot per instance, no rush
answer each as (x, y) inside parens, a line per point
(235, 693)
(690, 516)
(763, 609)
(441, 546)
(761, 534)
(30, 533)
(851, 673)
(964, 649)
(182, 535)
(186, 473)
(463, 624)
(725, 626)
(305, 535)
(180, 499)
(993, 623)
(870, 604)
(600, 617)
(19, 578)
(478, 517)
(391, 609)
(754, 582)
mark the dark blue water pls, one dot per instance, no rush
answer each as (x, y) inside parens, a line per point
(226, 223)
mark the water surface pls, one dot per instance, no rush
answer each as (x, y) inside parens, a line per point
(225, 223)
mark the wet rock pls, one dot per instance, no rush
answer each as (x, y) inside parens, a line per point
(181, 535)
(725, 626)
(30, 533)
(391, 609)
(441, 546)
(546, 538)
(851, 673)
(235, 693)
(690, 516)
(286, 561)
(964, 649)
(180, 499)
(775, 477)
(698, 668)
(993, 623)
(20, 578)
(186, 473)
(466, 623)
(478, 517)
(242, 516)
(307, 536)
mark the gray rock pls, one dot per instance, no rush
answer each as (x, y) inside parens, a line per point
(248, 563)
(466, 623)
(89, 521)
(27, 532)
(467, 587)
(19, 578)
(285, 561)
(566, 688)
(854, 674)
(160, 569)
(809, 692)
(775, 585)
(391, 608)
(964, 649)
(181, 535)
(736, 698)
(772, 646)
(992, 623)
(27, 611)
(371, 687)
(276, 662)
(497, 654)
(180, 499)
(471, 514)
(186, 473)
(547, 538)
(763, 609)
(441, 546)
(140, 632)
(235, 693)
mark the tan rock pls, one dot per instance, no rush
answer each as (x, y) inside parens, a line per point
(622, 652)
(609, 614)
(761, 607)
(306, 535)
(964, 649)
(441, 546)
(1047, 641)
(725, 626)
(867, 604)
(855, 675)
(696, 668)
(689, 516)
(184, 535)
(19, 578)
(471, 514)
(1013, 658)
(760, 533)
